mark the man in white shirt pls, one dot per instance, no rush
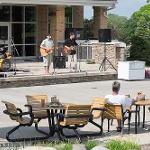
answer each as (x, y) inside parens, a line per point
(119, 99)
(46, 49)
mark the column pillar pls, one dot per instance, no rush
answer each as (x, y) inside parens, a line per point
(100, 19)
(42, 13)
(78, 16)
(57, 23)
(60, 23)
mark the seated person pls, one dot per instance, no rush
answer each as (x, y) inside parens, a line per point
(125, 101)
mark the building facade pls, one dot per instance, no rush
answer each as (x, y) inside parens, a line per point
(25, 23)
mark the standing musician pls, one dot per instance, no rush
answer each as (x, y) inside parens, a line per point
(46, 49)
(69, 49)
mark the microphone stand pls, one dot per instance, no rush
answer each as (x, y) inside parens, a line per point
(14, 50)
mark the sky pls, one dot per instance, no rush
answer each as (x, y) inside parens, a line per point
(123, 8)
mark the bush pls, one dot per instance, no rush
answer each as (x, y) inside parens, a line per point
(67, 146)
(90, 61)
(90, 144)
(122, 145)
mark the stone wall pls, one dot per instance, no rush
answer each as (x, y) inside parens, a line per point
(51, 80)
(113, 53)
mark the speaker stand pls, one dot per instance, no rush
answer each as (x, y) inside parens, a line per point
(102, 66)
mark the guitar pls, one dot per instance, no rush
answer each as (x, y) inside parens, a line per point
(45, 52)
(70, 50)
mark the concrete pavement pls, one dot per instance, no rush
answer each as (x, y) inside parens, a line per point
(78, 93)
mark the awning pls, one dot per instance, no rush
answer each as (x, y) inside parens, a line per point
(104, 3)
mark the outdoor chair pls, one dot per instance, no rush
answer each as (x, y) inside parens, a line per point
(75, 116)
(35, 101)
(115, 111)
(130, 112)
(23, 118)
(97, 109)
(97, 106)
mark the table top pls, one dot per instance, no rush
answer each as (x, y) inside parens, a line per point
(145, 102)
(46, 107)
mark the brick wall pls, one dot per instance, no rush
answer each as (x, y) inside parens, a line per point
(60, 23)
(57, 22)
(42, 12)
(52, 19)
(78, 16)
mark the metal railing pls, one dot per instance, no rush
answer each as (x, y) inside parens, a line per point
(84, 52)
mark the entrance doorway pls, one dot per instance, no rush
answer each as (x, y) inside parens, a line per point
(5, 35)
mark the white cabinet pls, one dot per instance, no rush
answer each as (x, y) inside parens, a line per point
(131, 70)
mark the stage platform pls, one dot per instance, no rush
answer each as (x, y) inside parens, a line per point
(31, 74)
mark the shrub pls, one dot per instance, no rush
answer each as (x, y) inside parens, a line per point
(67, 146)
(90, 61)
(122, 145)
(90, 144)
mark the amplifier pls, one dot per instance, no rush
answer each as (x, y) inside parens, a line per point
(59, 62)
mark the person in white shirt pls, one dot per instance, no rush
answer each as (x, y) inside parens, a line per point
(115, 97)
(46, 49)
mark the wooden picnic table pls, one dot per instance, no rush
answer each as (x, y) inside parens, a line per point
(52, 110)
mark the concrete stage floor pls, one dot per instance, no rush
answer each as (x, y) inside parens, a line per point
(32, 74)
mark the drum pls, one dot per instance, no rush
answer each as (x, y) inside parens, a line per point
(5, 64)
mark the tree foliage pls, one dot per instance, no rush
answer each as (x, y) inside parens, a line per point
(138, 34)
(134, 31)
(117, 24)
(88, 26)
(139, 49)
(142, 22)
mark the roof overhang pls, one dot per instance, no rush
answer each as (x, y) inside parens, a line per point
(104, 3)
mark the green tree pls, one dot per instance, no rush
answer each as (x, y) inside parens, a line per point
(117, 24)
(88, 26)
(142, 20)
(139, 49)
(138, 33)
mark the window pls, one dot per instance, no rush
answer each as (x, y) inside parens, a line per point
(17, 33)
(30, 50)
(68, 17)
(17, 50)
(23, 25)
(4, 13)
(17, 13)
(3, 33)
(30, 33)
(30, 14)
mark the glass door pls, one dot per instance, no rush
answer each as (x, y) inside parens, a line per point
(5, 35)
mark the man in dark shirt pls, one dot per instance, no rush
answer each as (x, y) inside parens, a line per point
(69, 49)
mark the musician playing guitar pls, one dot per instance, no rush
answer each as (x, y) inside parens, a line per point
(69, 50)
(46, 49)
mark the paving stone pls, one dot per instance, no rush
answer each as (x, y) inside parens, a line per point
(37, 148)
(99, 148)
(78, 147)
